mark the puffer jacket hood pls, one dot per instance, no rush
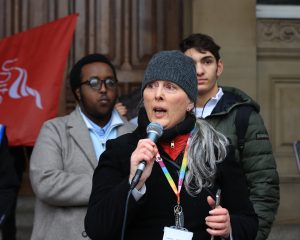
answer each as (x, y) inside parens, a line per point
(233, 98)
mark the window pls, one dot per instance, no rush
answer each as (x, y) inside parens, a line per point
(278, 2)
(284, 9)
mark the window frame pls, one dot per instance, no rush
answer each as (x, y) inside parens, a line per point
(278, 11)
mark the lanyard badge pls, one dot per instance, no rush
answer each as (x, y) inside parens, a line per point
(178, 211)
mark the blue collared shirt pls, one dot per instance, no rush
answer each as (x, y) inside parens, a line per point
(99, 135)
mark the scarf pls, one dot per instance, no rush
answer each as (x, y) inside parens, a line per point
(184, 127)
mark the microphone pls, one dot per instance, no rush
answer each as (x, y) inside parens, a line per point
(154, 131)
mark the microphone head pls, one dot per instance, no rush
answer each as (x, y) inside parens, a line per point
(154, 131)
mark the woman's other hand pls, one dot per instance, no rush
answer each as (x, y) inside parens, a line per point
(218, 221)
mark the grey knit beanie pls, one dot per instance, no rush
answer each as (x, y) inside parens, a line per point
(173, 66)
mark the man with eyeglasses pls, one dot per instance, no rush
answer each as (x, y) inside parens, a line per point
(68, 148)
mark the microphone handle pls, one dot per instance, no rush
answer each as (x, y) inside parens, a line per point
(138, 174)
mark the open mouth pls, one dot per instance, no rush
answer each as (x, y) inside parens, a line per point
(159, 110)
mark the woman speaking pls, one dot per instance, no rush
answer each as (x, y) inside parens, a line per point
(191, 187)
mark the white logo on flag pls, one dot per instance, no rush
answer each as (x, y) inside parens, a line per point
(18, 89)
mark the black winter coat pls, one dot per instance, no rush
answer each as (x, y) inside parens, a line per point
(8, 180)
(148, 216)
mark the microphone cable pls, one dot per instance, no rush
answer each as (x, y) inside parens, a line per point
(154, 131)
(125, 215)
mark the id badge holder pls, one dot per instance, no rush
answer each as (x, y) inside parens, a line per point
(173, 233)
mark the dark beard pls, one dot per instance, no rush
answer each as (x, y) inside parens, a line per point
(101, 119)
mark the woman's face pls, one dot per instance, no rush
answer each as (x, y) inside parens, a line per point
(166, 103)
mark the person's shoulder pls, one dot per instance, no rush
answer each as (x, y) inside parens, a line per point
(129, 126)
(126, 126)
(121, 145)
(229, 159)
(126, 139)
(57, 120)
(235, 93)
(239, 98)
(61, 122)
(127, 123)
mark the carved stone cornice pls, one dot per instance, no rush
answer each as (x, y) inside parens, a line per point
(278, 37)
(279, 31)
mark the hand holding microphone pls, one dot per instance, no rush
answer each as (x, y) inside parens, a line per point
(143, 154)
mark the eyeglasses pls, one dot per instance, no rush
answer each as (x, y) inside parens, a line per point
(96, 83)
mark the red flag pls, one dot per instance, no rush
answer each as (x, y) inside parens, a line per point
(32, 65)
